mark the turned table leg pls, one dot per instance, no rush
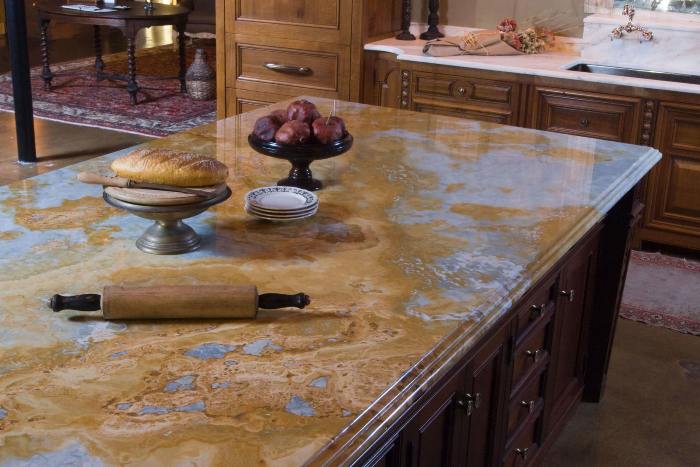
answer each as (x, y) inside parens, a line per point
(46, 74)
(131, 85)
(181, 49)
(99, 64)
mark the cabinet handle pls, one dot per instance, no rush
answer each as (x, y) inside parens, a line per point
(522, 453)
(569, 294)
(469, 402)
(536, 311)
(461, 91)
(585, 122)
(290, 69)
(535, 355)
(530, 405)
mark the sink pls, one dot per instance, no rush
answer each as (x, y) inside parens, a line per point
(632, 73)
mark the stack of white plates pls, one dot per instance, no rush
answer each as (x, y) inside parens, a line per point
(281, 203)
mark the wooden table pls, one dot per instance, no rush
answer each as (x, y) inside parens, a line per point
(127, 21)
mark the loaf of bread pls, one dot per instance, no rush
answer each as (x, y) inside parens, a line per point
(169, 167)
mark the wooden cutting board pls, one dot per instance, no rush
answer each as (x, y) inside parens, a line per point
(159, 197)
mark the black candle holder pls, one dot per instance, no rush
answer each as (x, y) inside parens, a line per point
(433, 19)
(405, 34)
(301, 156)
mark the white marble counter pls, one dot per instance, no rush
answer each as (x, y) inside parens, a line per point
(551, 64)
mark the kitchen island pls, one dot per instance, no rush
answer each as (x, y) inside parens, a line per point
(433, 236)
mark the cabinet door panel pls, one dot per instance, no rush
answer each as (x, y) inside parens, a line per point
(567, 358)
(433, 437)
(673, 190)
(485, 374)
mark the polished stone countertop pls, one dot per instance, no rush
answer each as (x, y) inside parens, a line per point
(428, 230)
(551, 64)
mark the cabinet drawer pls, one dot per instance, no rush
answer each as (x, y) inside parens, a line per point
(523, 447)
(297, 68)
(525, 403)
(530, 355)
(313, 20)
(538, 306)
(465, 97)
(587, 114)
(240, 101)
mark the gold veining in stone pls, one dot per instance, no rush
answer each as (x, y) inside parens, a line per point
(428, 229)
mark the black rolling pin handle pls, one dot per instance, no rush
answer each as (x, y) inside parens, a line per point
(85, 302)
(273, 301)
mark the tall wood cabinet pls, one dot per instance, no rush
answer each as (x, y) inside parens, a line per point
(268, 51)
(668, 121)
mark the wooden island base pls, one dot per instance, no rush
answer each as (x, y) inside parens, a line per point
(506, 402)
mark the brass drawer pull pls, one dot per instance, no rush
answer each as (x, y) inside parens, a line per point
(461, 91)
(535, 355)
(291, 69)
(585, 122)
(536, 311)
(530, 405)
(522, 453)
(569, 294)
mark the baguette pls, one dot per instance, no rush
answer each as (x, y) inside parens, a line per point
(169, 167)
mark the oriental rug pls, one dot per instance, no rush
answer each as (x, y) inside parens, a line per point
(663, 291)
(78, 98)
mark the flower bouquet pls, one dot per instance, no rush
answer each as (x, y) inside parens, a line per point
(505, 40)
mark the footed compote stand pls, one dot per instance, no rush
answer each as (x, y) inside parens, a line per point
(301, 156)
(168, 235)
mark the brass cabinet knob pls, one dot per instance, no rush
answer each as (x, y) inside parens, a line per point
(535, 355)
(529, 405)
(569, 294)
(536, 311)
(522, 452)
(585, 122)
(461, 91)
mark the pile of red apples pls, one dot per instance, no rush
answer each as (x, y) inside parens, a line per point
(300, 123)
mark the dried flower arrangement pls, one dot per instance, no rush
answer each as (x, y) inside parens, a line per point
(533, 40)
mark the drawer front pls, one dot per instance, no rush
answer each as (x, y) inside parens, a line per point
(457, 96)
(530, 356)
(537, 307)
(314, 20)
(523, 447)
(587, 114)
(525, 403)
(315, 69)
(240, 101)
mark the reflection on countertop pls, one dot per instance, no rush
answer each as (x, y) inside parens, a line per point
(428, 230)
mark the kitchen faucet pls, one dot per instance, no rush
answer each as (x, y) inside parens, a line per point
(628, 10)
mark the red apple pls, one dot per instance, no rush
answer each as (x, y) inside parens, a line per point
(293, 132)
(266, 127)
(302, 110)
(327, 130)
(279, 115)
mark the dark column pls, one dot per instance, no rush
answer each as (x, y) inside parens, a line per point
(21, 85)
(131, 85)
(181, 48)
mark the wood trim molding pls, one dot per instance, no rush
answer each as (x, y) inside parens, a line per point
(648, 118)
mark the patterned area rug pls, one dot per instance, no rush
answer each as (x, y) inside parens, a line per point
(78, 98)
(663, 291)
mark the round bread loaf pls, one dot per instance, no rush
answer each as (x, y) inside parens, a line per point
(169, 167)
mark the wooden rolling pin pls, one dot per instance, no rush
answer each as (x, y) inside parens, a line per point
(178, 302)
(120, 182)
